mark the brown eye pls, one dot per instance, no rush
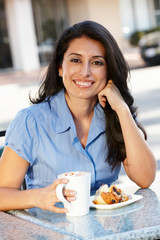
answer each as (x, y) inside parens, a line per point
(75, 60)
(98, 63)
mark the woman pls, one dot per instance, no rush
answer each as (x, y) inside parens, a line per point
(83, 119)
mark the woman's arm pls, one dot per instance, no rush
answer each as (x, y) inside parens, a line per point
(140, 164)
(12, 172)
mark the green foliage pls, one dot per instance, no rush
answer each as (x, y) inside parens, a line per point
(137, 35)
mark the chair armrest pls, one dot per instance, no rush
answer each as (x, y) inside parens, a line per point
(1, 150)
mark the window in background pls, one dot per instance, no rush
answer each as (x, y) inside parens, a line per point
(50, 20)
(157, 11)
(5, 55)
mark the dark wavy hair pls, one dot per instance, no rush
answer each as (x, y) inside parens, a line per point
(117, 70)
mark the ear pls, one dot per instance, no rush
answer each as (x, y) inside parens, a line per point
(60, 71)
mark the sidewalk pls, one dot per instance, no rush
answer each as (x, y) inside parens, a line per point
(134, 59)
(19, 77)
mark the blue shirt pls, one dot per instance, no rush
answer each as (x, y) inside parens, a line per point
(45, 135)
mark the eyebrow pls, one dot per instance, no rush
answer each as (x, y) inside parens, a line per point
(77, 54)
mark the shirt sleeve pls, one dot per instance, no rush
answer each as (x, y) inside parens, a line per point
(22, 135)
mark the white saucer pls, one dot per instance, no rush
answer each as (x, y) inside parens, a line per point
(132, 198)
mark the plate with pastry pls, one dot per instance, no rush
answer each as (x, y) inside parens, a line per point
(112, 197)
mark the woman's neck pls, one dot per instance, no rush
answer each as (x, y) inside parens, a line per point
(82, 111)
(80, 108)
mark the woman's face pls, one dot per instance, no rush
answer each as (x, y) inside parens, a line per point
(83, 68)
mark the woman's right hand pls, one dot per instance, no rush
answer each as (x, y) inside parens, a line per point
(12, 198)
(46, 197)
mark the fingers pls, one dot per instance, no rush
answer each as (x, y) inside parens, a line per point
(111, 94)
(102, 101)
(102, 96)
(55, 209)
(59, 181)
(59, 210)
(109, 81)
(70, 195)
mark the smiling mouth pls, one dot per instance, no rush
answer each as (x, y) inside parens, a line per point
(83, 83)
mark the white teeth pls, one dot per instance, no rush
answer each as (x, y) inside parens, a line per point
(83, 83)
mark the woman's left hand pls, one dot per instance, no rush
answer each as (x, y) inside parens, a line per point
(111, 94)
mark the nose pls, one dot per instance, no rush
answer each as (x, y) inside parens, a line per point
(86, 69)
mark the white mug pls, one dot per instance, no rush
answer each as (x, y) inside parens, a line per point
(81, 183)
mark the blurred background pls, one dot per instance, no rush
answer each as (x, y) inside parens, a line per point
(29, 28)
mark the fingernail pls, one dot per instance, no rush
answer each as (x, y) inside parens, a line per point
(72, 199)
(73, 193)
(65, 180)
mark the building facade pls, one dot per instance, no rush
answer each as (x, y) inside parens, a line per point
(28, 28)
(139, 15)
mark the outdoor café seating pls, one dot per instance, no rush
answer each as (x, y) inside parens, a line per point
(139, 220)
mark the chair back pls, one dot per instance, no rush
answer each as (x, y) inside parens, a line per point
(2, 134)
(1, 150)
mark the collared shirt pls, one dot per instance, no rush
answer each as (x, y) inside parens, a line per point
(45, 135)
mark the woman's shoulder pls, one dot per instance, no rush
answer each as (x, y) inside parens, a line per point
(37, 110)
(37, 114)
(47, 104)
(24, 119)
(28, 113)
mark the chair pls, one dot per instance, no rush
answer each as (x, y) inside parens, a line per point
(2, 134)
(1, 150)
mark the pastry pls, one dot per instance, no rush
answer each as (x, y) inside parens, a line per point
(111, 195)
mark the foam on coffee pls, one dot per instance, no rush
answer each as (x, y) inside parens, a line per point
(73, 174)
